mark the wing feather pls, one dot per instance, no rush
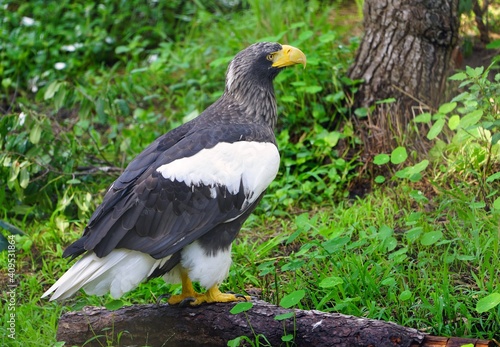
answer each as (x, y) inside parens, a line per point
(147, 212)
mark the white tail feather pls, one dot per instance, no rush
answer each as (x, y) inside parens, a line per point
(119, 272)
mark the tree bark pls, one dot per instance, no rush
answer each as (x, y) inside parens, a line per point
(479, 14)
(405, 54)
(214, 325)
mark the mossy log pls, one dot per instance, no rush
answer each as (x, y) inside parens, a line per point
(214, 325)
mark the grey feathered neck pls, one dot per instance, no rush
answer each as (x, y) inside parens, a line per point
(249, 82)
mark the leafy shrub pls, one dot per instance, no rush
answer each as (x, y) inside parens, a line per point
(465, 131)
(44, 41)
(107, 79)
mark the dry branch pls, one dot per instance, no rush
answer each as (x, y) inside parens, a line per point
(213, 325)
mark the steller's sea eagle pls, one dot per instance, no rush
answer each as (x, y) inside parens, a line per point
(179, 205)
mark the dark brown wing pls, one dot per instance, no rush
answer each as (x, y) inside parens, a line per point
(147, 212)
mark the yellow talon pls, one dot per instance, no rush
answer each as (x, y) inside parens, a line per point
(212, 295)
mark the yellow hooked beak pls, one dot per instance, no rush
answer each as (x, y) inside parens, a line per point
(288, 56)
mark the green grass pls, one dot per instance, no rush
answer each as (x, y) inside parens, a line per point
(374, 258)
(421, 249)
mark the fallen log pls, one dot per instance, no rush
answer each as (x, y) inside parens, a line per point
(213, 325)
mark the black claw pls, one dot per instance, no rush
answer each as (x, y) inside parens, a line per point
(241, 296)
(186, 302)
(161, 297)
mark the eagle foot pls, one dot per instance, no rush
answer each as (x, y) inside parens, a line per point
(161, 297)
(187, 302)
(212, 295)
(244, 297)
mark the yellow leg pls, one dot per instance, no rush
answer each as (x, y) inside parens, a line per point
(213, 294)
(188, 291)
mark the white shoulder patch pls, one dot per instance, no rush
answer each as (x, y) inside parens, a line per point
(253, 163)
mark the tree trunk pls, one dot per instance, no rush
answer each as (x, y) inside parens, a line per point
(214, 325)
(480, 13)
(405, 54)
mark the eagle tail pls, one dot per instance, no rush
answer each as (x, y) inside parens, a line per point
(117, 273)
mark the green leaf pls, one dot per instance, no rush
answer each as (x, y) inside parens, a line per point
(389, 281)
(474, 72)
(335, 244)
(477, 204)
(418, 196)
(419, 167)
(447, 107)
(51, 90)
(241, 307)
(292, 299)
(277, 38)
(123, 106)
(471, 118)
(306, 35)
(493, 177)
(379, 179)
(493, 44)
(287, 338)
(361, 112)
(284, 316)
(381, 159)
(332, 138)
(496, 204)
(413, 234)
(398, 256)
(26, 245)
(330, 282)
(14, 171)
(488, 302)
(431, 237)
(293, 236)
(436, 128)
(121, 49)
(405, 295)
(222, 61)
(288, 98)
(100, 105)
(312, 89)
(24, 177)
(327, 37)
(73, 181)
(410, 171)
(386, 101)
(59, 98)
(293, 265)
(6, 82)
(495, 138)
(114, 305)
(235, 342)
(399, 155)
(458, 76)
(453, 122)
(35, 134)
(423, 118)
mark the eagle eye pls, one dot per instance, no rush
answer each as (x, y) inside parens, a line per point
(270, 56)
